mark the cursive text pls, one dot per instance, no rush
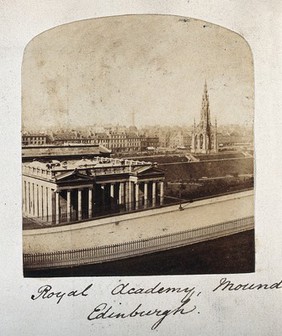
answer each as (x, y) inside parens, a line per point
(226, 284)
(125, 288)
(45, 292)
(105, 311)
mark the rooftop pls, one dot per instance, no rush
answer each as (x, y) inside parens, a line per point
(97, 166)
(68, 150)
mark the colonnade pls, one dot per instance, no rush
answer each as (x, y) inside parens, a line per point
(105, 198)
(58, 204)
(37, 200)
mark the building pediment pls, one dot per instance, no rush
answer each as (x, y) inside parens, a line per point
(73, 176)
(148, 171)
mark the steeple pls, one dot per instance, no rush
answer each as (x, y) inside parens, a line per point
(205, 87)
(204, 135)
(205, 112)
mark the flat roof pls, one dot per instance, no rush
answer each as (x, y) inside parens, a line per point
(63, 150)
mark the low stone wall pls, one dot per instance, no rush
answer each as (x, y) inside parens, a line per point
(128, 249)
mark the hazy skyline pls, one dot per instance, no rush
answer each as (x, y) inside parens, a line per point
(101, 70)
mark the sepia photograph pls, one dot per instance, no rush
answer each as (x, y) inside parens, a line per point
(137, 149)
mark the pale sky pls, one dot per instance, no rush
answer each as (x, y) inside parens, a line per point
(100, 70)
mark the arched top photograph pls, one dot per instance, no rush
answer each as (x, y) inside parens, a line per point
(137, 148)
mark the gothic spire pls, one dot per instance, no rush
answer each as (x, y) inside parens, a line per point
(205, 113)
(204, 137)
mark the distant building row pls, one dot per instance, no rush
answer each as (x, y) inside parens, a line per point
(117, 142)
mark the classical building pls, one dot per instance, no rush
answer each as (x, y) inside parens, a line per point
(204, 135)
(55, 193)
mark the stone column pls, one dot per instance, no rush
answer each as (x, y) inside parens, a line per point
(112, 195)
(24, 197)
(45, 190)
(121, 192)
(40, 201)
(44, 208)
(48, 206)
(129, 195)
(57, 207)
(68, 205)
(32, 199)
(27, 198)
(112, 190)
(136, 195)
(161, 193)
(79, 204)
(154, 185)
(90, 200)
(36, 200)
(145, 194)
(46, 203)
(50, 210)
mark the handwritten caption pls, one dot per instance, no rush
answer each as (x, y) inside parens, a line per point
(186, 299)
